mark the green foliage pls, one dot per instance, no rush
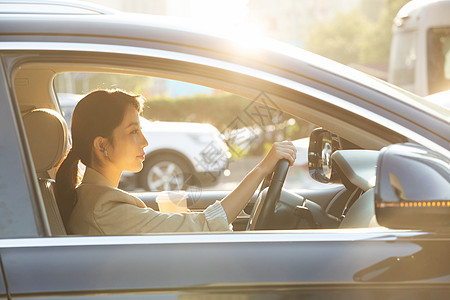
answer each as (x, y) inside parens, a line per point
(218, 110)
(362, 35)
(339, 39)
(267, 147)
(83, 83)
(237, 151)
(375, 49)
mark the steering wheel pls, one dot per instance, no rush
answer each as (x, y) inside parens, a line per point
(265, 204)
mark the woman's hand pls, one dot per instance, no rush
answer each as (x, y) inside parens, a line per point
(235, 202)
(278, 151)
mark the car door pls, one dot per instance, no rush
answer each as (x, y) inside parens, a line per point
(338, 265)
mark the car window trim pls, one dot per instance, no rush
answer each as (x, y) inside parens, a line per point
(305, 235)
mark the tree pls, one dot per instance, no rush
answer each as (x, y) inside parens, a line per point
(82, 83)
(362, 35)
(339, 39)
(375, 49)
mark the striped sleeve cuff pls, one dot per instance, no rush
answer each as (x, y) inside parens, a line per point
(215, 211)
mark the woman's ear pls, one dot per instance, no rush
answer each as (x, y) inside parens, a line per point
(100, 146)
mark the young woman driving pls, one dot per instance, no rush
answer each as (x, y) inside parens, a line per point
(107, 139)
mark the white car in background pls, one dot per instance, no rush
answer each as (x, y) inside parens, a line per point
(179, 154)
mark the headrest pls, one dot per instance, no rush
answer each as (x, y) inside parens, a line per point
(47, 137)
(356, 167)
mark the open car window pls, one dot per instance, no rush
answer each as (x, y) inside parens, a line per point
(211, 138)
(204, 138)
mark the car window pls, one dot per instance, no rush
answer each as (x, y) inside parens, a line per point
(199, 137)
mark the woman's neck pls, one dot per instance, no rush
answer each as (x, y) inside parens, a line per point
(109, 172)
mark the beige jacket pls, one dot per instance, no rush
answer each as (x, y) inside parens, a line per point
(102, 209)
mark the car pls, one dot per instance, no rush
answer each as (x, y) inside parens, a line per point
(376, 227)
(172, 157)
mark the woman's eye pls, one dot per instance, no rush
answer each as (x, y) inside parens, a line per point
(136, 131)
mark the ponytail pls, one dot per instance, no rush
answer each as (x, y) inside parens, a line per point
(67, 179)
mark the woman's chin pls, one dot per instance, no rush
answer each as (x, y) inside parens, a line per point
(136, 169)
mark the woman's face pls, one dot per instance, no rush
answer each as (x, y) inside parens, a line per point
(127, 151)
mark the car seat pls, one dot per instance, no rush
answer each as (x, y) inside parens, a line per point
(48, 139)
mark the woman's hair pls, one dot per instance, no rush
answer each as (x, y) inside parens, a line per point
(97, 114)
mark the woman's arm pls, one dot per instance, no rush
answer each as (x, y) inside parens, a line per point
(238, 199)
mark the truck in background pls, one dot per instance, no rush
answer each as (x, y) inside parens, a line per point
(420, 50)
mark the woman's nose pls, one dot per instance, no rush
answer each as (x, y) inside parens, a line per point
(144, 140)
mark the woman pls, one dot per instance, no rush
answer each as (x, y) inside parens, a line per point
(107, 139)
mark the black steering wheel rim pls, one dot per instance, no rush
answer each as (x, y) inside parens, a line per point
(265, 205)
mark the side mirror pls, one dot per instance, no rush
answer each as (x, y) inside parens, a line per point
(322, 144)
(412, 189)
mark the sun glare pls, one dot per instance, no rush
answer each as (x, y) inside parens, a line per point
(228, 18)
(220, 13)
